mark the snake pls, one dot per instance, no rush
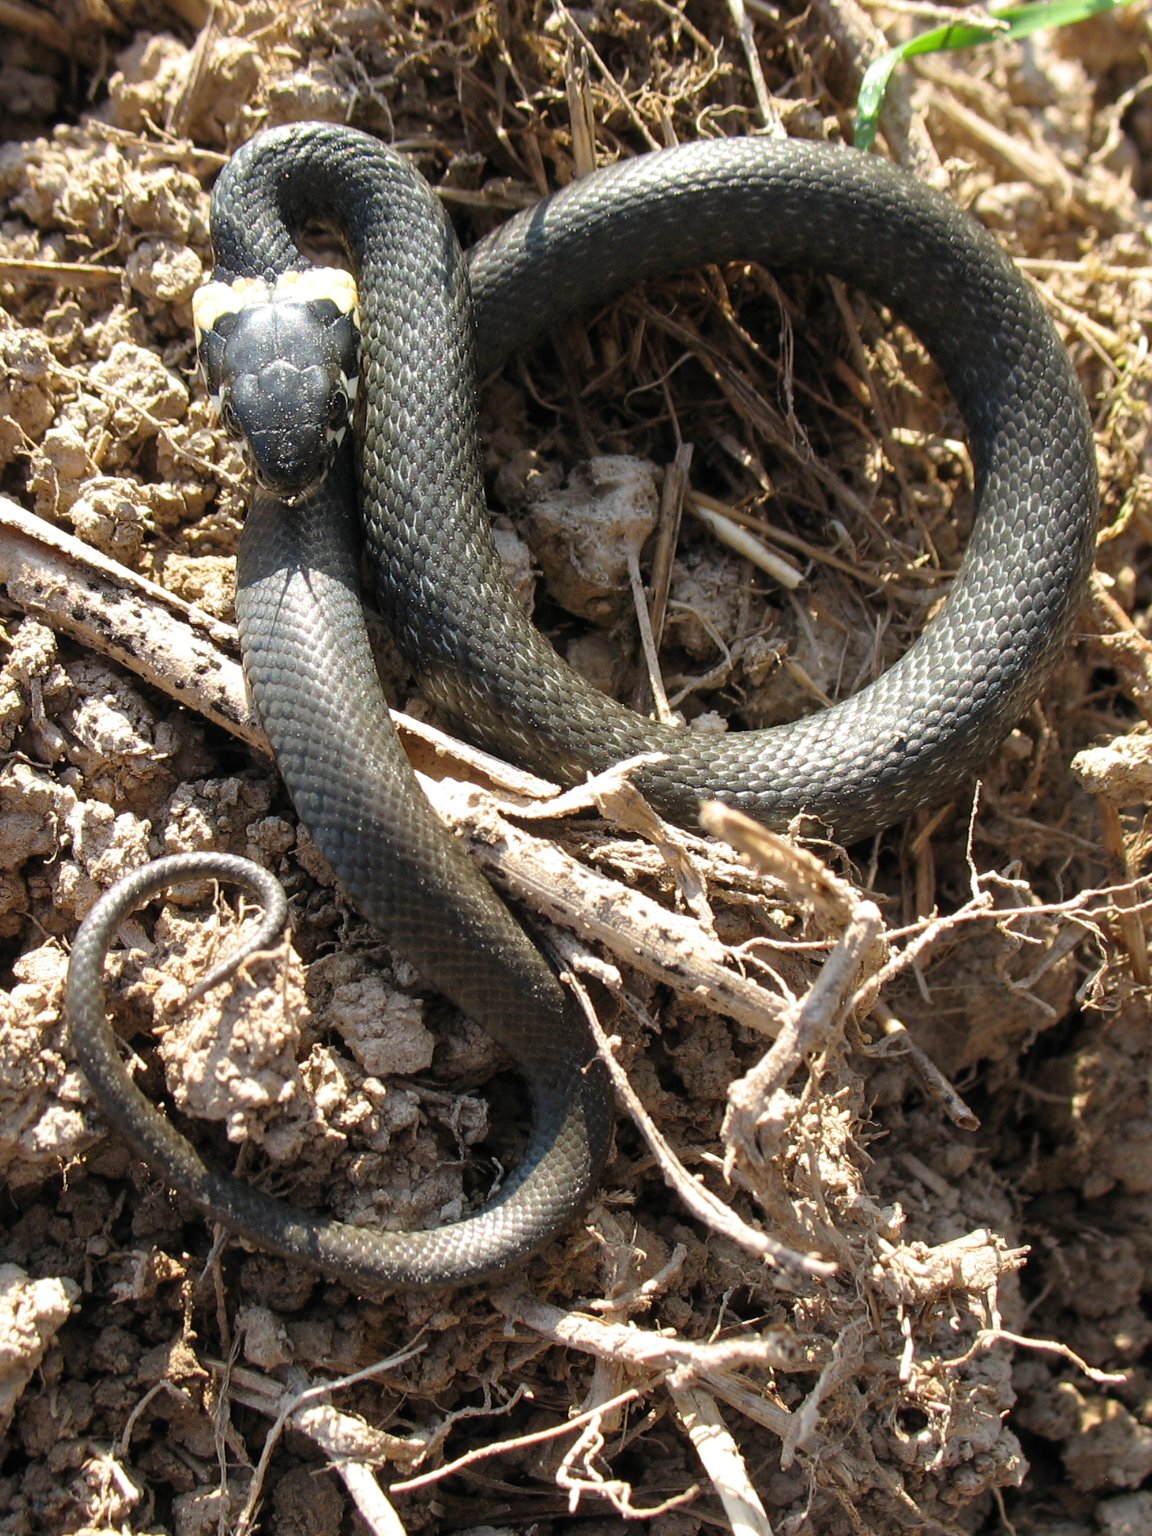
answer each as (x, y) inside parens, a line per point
(290, 350)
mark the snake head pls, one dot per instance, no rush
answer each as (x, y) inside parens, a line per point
(281, 359)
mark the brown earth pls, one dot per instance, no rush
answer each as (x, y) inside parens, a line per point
(978, 1359)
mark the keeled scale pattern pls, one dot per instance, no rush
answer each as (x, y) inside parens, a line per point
(933, 717)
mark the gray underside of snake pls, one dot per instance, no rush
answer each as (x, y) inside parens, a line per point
(906, 740)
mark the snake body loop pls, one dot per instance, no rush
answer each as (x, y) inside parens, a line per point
(902, 742)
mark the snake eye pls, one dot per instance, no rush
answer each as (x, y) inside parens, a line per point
(338, 410)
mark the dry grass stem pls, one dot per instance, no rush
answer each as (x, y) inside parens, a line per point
(704, 1424)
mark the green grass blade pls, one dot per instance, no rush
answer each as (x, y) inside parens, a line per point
(1014, 22)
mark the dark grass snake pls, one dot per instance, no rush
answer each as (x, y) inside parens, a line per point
(904, 741)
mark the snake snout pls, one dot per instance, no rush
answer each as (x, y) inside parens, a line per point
(291, 421)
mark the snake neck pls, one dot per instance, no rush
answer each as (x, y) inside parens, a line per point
(418, 450)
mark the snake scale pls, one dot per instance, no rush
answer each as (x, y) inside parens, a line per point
(904, 741)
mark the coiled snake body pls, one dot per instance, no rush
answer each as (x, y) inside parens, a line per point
(901, 742)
